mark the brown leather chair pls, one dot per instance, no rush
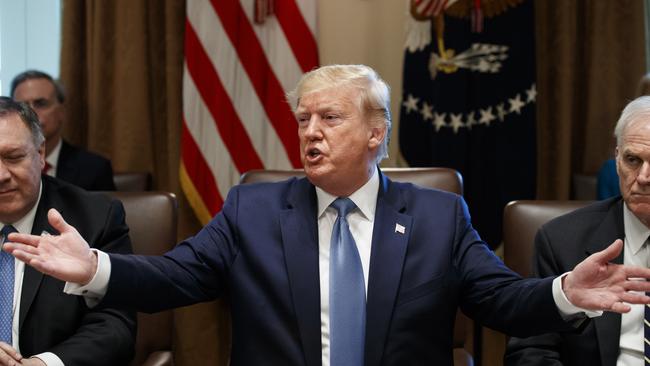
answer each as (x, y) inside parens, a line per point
(132, 181)
(521, 220)
(440, 178)
(152, 219)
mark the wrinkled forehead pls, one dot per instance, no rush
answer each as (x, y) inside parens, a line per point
(332, 97)
(638, 128)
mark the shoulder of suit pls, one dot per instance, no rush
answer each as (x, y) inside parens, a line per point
(591, 213)
(83, 154)
(63, 189)
(418, 191)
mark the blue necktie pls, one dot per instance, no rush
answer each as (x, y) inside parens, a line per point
(6, 289)
(347, 298)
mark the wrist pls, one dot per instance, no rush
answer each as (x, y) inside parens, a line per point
(93, 267)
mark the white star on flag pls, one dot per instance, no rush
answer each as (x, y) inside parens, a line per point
(516, 104)
(439, 120)
(411, 104)
(486, 116)
(427, 111)
(456, 121)
(531, 94)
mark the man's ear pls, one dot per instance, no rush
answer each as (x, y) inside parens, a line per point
(377, 136)
(41, 154)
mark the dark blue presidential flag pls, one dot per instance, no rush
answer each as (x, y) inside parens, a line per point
(469, 100)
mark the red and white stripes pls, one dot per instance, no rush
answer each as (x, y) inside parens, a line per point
(235, 77)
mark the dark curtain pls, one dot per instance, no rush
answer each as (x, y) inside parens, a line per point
(122, 67)
(590, 56)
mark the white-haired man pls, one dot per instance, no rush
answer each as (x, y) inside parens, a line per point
(612, 339)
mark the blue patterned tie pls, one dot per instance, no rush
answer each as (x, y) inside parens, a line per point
(6, 289)
(347, 299)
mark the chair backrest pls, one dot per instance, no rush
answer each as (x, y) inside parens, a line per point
(440, 178)
(521, 220)
(132, 181)
(152, 219)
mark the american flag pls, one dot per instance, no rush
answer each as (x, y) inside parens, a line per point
(241, 57)
(429, 8)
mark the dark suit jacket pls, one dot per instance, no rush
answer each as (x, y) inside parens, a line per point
(261, 252)
(51, 321)
(560, 245)
(82, 168)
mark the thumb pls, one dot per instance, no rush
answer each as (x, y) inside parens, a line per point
(56, 220)
(609, 253)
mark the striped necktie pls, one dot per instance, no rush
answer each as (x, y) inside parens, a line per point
(347, 298)
(646, 325)
(646, 334)
(6, 289)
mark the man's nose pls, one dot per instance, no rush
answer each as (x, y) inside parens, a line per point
(644, 173)
(4, 172)
(313, 130)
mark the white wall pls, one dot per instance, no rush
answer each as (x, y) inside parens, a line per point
(30, 38)
(369, 32)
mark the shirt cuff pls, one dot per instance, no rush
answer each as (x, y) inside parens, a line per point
(94, 291)
(49, 358)
(566, 308)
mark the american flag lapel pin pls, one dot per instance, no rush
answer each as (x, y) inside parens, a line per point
(399, 229)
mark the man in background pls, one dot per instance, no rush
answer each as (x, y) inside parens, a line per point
(612, 339)
(37, 319)
(62, 160)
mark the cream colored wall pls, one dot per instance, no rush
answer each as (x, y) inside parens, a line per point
(367, 32)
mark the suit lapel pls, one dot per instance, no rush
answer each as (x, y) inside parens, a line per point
(608, 326)
(389, 241)
(66, 170)
(32, 278)
(298, 223)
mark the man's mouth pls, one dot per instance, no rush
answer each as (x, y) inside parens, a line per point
(313, 155)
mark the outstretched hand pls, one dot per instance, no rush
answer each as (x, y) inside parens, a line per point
(66, 256)
(597, 284)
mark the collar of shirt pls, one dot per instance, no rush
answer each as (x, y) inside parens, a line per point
(636, 233)
(25, 224)
(365, 197)
(53, 157)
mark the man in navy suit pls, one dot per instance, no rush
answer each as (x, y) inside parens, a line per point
(269, 251)
(70, 163)
(44, 324)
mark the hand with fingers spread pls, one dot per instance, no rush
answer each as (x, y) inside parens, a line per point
(66, 257)
(597, 284)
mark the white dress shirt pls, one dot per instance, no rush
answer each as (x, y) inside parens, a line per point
(24, 225)
(635, 253)
(361, 221)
